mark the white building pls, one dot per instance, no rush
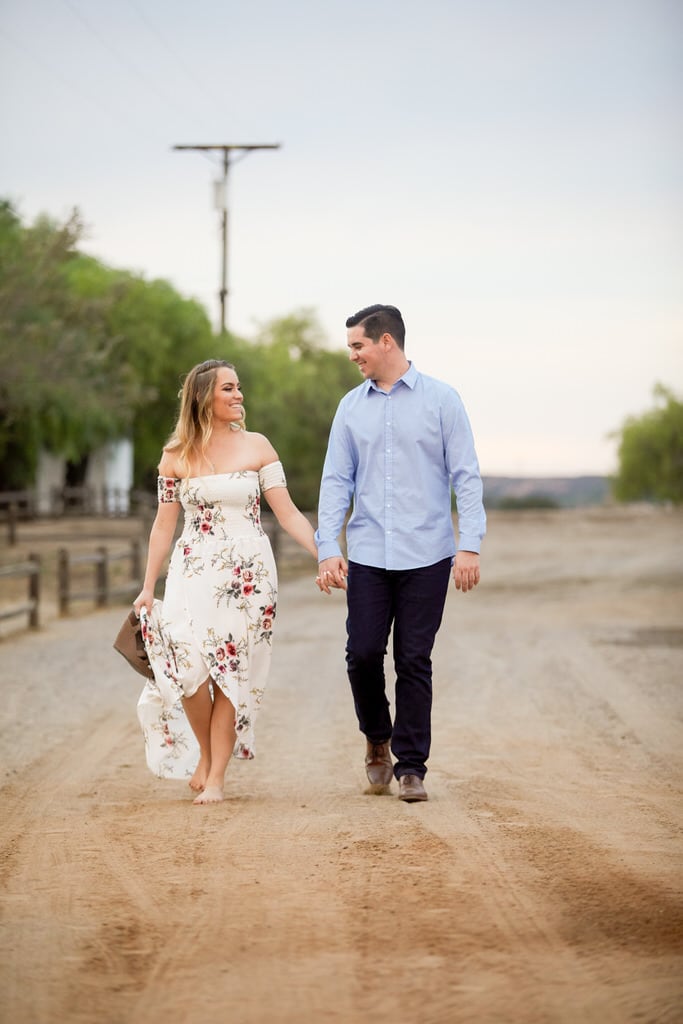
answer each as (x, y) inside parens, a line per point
(108, 480)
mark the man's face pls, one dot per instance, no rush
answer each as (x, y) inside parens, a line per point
(365, 353)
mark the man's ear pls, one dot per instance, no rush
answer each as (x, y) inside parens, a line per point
(387, 340)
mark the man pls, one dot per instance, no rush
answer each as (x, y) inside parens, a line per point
(398, 442)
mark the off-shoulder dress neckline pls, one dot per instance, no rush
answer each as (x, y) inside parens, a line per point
(232, 472)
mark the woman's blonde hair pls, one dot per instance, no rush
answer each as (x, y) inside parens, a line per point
(195, 419)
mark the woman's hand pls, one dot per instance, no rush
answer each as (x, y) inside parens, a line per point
(145, 599)
(332, 572)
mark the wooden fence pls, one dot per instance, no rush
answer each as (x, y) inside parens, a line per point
(30, 569)
(16, 505)
(88, 576)
(102, 588)
(23, 506)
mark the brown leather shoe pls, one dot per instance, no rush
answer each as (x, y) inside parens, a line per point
(411, 789)
(378, 764)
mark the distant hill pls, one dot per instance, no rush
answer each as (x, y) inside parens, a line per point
(565, 492)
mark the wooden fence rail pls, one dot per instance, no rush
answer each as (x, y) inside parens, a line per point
(102, 589)
(18, 507)
(30, 569)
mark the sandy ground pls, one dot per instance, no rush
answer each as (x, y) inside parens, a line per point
(541, 883)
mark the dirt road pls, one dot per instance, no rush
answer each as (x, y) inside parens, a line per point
(541, 883)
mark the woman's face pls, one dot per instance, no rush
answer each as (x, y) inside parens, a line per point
(227, 397)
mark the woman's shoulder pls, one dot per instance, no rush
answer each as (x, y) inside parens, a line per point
(168, 464)
(263, 451)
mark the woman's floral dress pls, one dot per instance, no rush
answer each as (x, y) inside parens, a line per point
(216, 618)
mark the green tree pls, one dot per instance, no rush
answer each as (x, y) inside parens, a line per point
(651, 453)
(89, 353)
(157, 335)
(292, 383)
(57, 389)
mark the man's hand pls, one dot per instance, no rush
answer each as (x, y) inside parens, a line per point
(466, 570)
(332, 572)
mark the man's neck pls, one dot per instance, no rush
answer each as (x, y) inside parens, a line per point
(391, 375)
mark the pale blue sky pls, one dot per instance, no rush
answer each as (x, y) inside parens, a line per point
(507, 173)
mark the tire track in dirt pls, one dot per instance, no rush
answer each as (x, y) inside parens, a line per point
(600, 899)
(44, 848)
(540, 884)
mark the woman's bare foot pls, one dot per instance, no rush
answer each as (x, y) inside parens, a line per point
(201, 774)
(211, 795)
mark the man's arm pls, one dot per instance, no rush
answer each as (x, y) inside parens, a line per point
(336, 490)
(463, 468)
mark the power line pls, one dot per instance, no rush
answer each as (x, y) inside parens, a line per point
(123, 59)
(222, 203)
(77, 89)
(180, 62)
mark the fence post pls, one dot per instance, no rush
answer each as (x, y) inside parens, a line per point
(34, 592)
(12, 524)
(63, 581)
(102, 577)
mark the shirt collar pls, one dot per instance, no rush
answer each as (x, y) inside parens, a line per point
(409, 378)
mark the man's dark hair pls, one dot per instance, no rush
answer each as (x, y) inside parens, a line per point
(378, 320)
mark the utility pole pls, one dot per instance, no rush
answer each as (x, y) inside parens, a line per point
(221, 197)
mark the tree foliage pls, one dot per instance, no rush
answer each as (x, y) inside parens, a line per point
(651, 453)
(292, 385)
(90, 354)
(157, 335)
(49, 349)
(84, 349)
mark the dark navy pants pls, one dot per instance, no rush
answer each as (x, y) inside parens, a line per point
(411, 601)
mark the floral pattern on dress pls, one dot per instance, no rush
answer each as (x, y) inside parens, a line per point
(168, 489)
(264, 624)
(252, 512)
(158, 649)
(227, 657)
(172, 741)
(224, 655)
(217, 615)
(203, 522)
(193, 564)
(245, 578)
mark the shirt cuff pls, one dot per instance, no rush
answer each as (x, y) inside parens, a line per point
(327, 549)
(469, 542)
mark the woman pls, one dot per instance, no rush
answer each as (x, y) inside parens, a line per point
(209, 643)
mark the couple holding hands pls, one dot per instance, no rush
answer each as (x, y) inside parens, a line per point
(399, 443)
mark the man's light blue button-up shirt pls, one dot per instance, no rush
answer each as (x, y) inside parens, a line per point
(396, 455)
